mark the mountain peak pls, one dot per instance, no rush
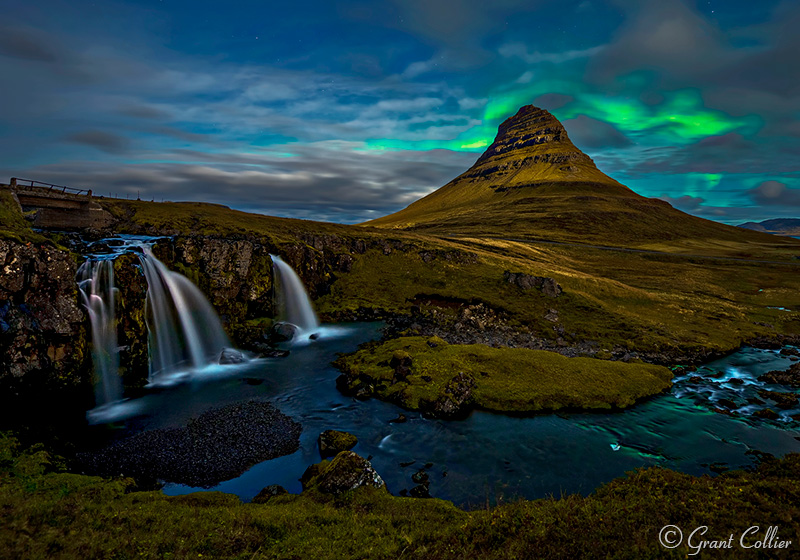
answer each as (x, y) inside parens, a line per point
(533, 147)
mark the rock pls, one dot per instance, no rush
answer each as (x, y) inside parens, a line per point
(727, 403)
(283, 332)
(401, 363)
(420, 477)
(230, 356)
(401, 419)
(548, 286)
(347, 471)
(332, 442)
(455, 402)
(766, 413)
(781, 400)
(790, 376)
(269, 492)
(420, 491)
(790, 352)
(273, 353)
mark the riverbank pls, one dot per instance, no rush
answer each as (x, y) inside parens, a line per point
(48, 513)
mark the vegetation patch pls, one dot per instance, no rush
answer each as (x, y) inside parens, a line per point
(48, 513)
(443, 379)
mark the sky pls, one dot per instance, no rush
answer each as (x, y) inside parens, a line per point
(349, 110)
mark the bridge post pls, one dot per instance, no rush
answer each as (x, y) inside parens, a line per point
(13, 182)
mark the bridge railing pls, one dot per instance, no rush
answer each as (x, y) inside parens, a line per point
(62, 189)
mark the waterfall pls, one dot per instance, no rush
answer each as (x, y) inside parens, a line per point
(96, 284)
(184, 330)
(293, 303)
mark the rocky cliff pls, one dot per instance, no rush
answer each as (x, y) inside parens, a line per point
(42, 325)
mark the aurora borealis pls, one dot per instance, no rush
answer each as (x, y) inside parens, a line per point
(346, 111)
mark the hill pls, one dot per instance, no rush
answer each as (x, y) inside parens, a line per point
(533, 182)
(779, 226)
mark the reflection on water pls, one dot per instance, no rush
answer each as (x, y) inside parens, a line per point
(487, 455)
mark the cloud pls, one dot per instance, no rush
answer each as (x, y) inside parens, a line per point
(103, 141)
(591, 133)
(775, 193)
(340, 181)
(26, 43)
(686, 203)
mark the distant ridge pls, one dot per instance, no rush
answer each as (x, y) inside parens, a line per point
(778, 226)
(533, 182)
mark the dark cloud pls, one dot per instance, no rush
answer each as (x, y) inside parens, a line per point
(686, 203)
(25, 43)
(775, 193)
(586, 132)
(320, 181)
(139, 111)
(552, 101)
(103, 141)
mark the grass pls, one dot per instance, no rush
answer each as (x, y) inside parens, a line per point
(665, 302)
(506, 379)
(48, 513)
(13, 226)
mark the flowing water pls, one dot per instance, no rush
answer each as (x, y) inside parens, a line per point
(294, 306)
(483, 459)
(486, 457)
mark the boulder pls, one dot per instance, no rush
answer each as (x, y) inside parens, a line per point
(401, 363)
(269, 492)
(548, 286)
(781, 400)
(231, 356)
(283, 332)
(345, 472)
(455, 402)
(332, 442)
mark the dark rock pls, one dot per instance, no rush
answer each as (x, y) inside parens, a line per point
(727, 403)
(401, 419)
(230, 356)
(766, 413)
(401, 363)
(283, 332)
(781, 400)
(455, 402)
(269, 492)
(407, 464)
(755, 400)
(420, 477)
(790, 376)
(332, 442)
(347, 471)
(736, 381)
(274, 353)
(548, 286)
(420, 491)
(790, 352)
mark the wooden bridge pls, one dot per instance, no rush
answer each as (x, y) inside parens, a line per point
(58, 206)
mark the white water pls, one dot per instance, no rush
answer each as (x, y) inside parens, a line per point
(294, 305)
(96, 284)
(185, 332)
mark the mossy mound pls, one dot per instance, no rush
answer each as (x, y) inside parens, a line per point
(332, 442)
(440, 375)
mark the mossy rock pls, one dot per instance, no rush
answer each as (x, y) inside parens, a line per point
(344, 473)
(332, 442)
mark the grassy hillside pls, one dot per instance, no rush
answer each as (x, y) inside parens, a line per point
(13, 226)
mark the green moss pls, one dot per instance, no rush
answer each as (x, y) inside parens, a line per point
(13, 225)
(506, 379)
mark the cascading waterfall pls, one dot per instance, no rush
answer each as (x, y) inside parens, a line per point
(96, 284)
(185, 332)
(294, 304)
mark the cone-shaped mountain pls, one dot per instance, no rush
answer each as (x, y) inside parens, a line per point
(534, 182)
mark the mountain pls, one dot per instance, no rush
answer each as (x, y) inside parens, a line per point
(533, 182)
(780, 226)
